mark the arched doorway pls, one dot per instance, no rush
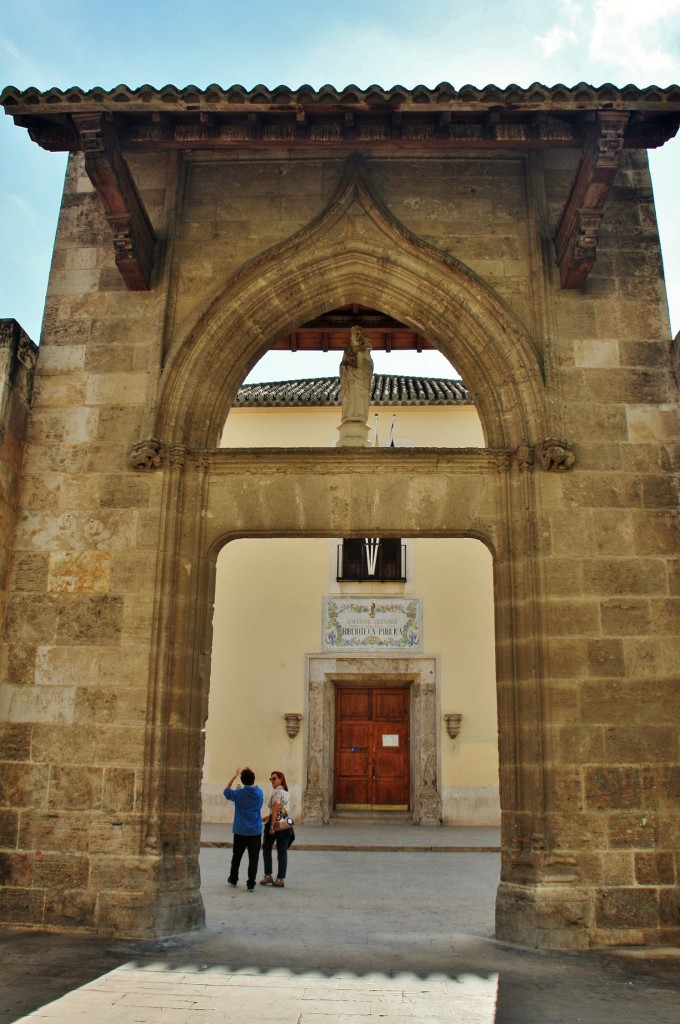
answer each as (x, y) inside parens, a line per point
(356, 252)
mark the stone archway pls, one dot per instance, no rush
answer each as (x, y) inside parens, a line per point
(355, 252)
(110, 573)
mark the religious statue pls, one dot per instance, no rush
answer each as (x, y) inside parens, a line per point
(356, 372)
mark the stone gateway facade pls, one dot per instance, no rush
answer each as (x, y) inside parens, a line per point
(514, 230)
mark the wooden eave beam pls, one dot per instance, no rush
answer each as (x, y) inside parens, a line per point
(313, 127)
(577, 233)
(134, 239)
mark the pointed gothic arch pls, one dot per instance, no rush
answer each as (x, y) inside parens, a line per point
(354, 251)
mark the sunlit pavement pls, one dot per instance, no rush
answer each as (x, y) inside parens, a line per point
(355, 936)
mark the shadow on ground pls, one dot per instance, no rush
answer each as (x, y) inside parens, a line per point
(395, 936)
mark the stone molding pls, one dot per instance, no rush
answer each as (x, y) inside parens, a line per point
(19, 359)
(421, 674)
(552, 454)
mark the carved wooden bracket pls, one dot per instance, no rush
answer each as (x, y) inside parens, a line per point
(133, 235)
(577, 233)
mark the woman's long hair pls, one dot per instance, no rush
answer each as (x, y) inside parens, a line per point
(282, 779)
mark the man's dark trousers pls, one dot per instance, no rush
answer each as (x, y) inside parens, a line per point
(241, 844)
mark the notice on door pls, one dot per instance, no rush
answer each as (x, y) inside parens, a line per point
(392, 623)
(390, 740)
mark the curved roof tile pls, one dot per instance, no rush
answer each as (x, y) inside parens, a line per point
(386, 389)
(216, 96)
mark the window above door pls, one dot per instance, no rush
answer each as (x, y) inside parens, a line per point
(371, 559)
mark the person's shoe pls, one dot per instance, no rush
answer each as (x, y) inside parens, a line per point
(250, 888)
(267, 880)
(279, 883)
(232, 884)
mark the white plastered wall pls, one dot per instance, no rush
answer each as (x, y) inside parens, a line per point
(268, 617)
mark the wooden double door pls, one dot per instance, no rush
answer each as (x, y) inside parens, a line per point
(371, 748)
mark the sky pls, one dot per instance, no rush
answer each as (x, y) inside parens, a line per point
(45, 43)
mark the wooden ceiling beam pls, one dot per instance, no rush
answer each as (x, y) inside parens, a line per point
(577, 233)
(134, 239)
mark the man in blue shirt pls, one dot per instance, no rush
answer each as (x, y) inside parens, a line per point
(247, 827)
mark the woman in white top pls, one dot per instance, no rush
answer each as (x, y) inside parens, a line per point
(274, 833)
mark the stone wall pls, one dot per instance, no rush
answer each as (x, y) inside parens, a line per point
(104, 674)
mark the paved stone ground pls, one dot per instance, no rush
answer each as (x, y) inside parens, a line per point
(381, 838)
(355, 936)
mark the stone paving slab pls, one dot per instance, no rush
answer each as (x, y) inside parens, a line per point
(377, 838)
(354, 937)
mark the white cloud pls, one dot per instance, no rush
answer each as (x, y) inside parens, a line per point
(555, 40)
(10, 48)
(623, 39)
(638, 38)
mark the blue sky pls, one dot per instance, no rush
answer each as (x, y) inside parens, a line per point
(46, 43)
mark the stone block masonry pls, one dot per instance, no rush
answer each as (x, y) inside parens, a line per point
(114, 500)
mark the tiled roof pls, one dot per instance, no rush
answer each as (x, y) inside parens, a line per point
(220, 118)
(443, 96)
(385, 390)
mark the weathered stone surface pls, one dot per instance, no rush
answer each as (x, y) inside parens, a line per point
(23, 785)
(115, 834)
(107, 571)
(613, 787)
(652, 744)
(633, 830)
(61, 871)
(119, 788)
(626, 616)
(21, 906)
(606, 658)
(9, 828)
(618, 867)
(655, 869)
(16, 869)
(31, 619)
(15, 742)
(71, 908)
(79, 572)
(75, 788)
(626, 908)
(54, 831)
(58, 743)
(29, 572)
(93, 619)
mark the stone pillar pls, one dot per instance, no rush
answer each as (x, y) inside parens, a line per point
(18, 358)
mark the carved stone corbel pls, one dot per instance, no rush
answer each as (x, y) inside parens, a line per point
(146, 455)
(555, 456)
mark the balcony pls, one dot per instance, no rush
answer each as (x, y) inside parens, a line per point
(371, 560)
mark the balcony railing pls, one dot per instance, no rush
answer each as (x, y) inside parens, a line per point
(370, 560)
